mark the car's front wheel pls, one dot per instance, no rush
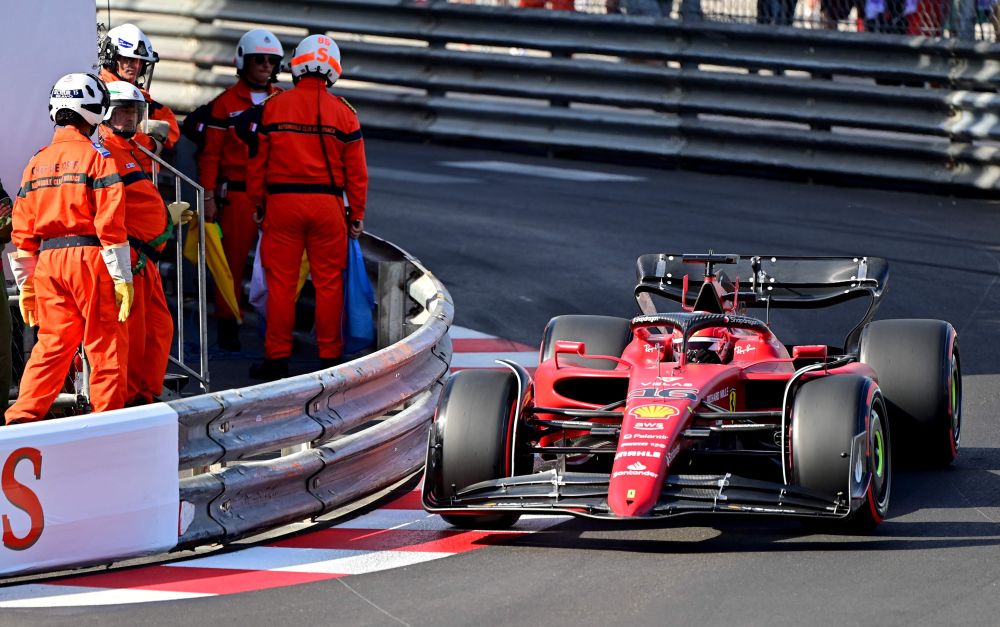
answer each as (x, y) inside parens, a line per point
(840, 446)
(472, 439)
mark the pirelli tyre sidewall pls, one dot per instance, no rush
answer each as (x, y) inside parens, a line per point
(601, 335)
(471, 440)
(919, 371)
(840, 445)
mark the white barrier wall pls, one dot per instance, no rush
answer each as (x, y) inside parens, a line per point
(41, 42)
(76, 490)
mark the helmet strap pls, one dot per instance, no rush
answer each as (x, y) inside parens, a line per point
(140, 75)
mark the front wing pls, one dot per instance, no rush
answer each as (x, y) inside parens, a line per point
(585, 494)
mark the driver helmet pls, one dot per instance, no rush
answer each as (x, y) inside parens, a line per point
(317, 55)
(125, 98)
(714, 345)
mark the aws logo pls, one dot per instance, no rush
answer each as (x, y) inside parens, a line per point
(653, 412)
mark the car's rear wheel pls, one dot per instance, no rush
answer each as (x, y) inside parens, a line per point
(471, 440)
(602, 335)
(840, 445)
(920, 374)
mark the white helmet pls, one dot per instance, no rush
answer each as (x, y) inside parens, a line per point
(125, 95)
(83, 93)
(316, 54)
(258, 41)
(129, 41)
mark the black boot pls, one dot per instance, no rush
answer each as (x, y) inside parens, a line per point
(228, 335)
(270, 369)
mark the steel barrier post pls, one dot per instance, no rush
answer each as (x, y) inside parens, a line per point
(391, 302)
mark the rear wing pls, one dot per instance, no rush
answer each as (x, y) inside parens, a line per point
(764, 281)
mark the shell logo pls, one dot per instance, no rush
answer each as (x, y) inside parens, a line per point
(653, 412)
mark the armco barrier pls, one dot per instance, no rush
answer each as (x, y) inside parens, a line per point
(396, 386)
(844, 105)
(364, 424)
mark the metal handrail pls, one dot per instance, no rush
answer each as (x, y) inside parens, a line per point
(202, 374)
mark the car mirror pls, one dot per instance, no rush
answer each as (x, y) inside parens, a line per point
(810, 351)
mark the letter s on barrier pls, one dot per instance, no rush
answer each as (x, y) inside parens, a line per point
(22, 498)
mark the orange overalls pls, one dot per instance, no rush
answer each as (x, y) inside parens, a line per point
(150, 325)
(311, 154)
(222, 163)
(157, 111)
(71, 203)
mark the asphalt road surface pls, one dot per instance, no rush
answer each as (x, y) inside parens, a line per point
(518, 239)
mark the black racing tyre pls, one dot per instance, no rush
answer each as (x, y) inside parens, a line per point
(602, 335)
(920, 374)
(471, 439)
(827, 415)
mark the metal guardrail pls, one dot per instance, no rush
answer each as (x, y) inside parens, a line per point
(366, 421)
(354, 430)
(733, 45)
(840, 105)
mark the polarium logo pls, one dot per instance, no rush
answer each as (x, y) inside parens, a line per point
(653, 412)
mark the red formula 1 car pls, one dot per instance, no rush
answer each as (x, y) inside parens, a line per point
(702, 410)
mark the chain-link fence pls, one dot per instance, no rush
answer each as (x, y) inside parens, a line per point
(961, 19)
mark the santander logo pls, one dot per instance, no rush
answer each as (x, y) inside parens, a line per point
(636, 467)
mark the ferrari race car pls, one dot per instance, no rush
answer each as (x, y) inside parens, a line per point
(703, 410)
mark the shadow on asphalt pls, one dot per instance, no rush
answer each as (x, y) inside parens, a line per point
(788, 537)
(915, 522)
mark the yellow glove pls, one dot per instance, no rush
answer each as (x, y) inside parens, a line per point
(27, 304)
(124, 295)
(180, 212)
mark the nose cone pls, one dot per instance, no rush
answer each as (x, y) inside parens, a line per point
(647, 446)
(636, 478)
(634, 496)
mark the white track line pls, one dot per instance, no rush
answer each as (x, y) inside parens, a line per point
(523, 169)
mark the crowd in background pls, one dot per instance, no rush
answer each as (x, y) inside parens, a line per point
(965, 19)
